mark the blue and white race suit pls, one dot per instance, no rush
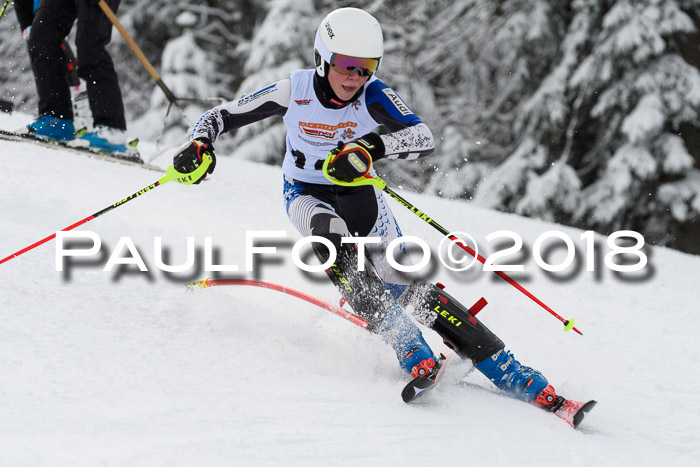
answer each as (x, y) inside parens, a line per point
(318, 207)
(314, 205)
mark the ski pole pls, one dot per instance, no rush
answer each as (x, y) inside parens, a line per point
(137, 51)
(353, 318)
(381, 185)
(147, 64)
(170, 175)
(568, 323)
(4, 7)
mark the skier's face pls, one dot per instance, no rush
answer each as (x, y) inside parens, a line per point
(345, 86)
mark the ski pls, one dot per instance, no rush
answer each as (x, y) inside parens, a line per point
(132, 159)
(571, 411)
(576, 412)
(420, 384)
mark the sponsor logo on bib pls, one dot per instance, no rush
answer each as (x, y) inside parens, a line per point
(326, 132)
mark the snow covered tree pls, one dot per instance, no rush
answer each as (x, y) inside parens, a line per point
(495, 54)
(185, 69)
(608, 117)
(407, 33)
(576, 112)
(206, 54)
(281, 44)
(583, 112)
(15, 67)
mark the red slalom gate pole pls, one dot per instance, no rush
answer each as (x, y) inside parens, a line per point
(336, 310)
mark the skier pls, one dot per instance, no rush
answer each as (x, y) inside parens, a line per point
(82, 118)
(330, 112)
(50, 24)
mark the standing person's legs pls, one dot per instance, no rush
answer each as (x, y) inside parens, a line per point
(95, 65)
(52, 23)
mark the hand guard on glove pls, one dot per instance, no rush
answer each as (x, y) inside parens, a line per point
(353, 160)
(190, 155)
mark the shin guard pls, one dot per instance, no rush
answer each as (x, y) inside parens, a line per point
(459, 329)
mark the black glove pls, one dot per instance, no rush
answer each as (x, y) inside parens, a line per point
(354, 159)
(190, 155)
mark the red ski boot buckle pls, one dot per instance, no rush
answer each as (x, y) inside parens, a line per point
(423, 369)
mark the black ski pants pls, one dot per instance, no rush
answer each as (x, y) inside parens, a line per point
(25, 13)
(52, 23)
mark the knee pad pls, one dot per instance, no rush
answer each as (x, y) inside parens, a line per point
(459, 329)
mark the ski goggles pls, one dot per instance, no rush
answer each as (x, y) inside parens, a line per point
(346, 65)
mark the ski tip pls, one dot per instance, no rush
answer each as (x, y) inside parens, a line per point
(415, 388)
(580, 415)
(419, 384)
(408, 394)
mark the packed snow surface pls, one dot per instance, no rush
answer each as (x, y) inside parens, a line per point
(125, 367)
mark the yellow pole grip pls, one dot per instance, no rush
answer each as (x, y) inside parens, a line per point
(189, 178)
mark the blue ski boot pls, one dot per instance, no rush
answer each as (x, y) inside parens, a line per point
(52, 128)
(510, 376)
(413, 353)
(107, 139)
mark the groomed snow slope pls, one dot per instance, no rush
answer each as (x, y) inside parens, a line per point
(129, 368)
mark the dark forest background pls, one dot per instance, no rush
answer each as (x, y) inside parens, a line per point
(581, 112)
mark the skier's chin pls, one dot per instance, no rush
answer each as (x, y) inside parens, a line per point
(347, 92)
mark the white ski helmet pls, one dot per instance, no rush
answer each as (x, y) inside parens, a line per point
(347, 31)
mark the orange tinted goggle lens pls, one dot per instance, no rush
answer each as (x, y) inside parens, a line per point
(345, 64)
